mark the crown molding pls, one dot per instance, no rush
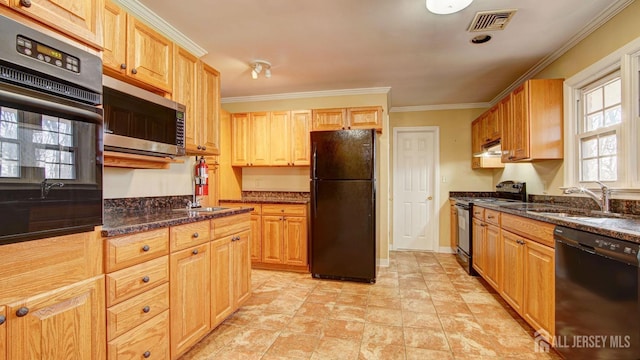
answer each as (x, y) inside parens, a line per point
(439, 107)
(606, 15)
(307, 94)
(143, 13)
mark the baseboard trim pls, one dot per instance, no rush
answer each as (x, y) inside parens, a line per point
(382, 262)
(446, 250)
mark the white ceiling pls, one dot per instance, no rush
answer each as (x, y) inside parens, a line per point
(425, 59)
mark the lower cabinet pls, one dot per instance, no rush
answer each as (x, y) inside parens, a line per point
(3, 333)
(59, 325)
(513, 265)
(492, 256)
(190, 291)
(478, 245)
(147, 341)
(284, 237)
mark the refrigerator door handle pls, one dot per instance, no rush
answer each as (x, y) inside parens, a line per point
(315, 196)
(315, 160)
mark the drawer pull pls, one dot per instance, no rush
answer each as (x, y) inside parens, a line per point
(195, 235)
(145, 279)
(25, 3)
(195, 252)
(134, 71)
(123, 66)
(146, 354)
(491, 217)
(146, 309)
(145, 248)
(2, 319)
(23, 311)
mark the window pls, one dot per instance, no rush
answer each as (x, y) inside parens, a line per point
(9, 147)
(602, 124)
(54, 148)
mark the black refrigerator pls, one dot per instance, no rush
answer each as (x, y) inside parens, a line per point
(343, 203)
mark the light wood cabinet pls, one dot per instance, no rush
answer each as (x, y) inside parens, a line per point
(284, 237)
(491, 254)
(190, 294)
(477, 131)
(231, 266)
(278, 138)
(3, 333)
(539, 290)
(207, 126)
(147, 341)
(185, 92)
(534, 131)
(478, 245)
(188, 235)
(485, 129)
(137, 310)
(80, 19)
(492, 126)
(148, 56)
(513, 264)
(255, 227)
(347, 118)
(453, 228)
(125, 251)
(230, 178)
(68, 323)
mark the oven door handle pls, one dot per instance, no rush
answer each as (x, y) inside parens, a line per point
(46, 105)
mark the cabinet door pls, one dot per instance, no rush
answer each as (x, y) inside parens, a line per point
(221, 280)
(256, 238)
(260, 138)
(476, 135)
(504, 116)
(150, 56)
(492, 125)
(539, 290)
(81, 19)
(478, 240)
(280, 139)
(209, 104)
(492, 256)
(512, 270)
(272, 233)
(520, 130)
(114, 56)
(67, 323)
(295, 240)
(3, 333)
(365, 118)
(329, 119)
(241, 268)
(190, 293)
(300, 148)
(149, 341)
(240, 132)
(185, 91)
(214, 180)
(453, 241)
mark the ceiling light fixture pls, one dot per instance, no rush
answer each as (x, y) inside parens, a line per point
(257, 66)
(444, 7)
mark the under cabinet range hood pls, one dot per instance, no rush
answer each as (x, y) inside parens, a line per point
(492, 149)
(140, 122)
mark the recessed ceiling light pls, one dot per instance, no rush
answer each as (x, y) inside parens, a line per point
(444, 7)
(481, 39)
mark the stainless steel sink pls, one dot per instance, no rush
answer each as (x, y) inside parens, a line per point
(202, 209)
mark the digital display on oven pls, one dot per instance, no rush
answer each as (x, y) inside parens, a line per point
(48, 51)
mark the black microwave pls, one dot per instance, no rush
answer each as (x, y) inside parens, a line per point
(140, 122)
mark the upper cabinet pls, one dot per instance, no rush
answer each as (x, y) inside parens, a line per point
(534, 129)
(139, 54)
(348, 118)
(80, 19)
(278, 138)
(185, 91)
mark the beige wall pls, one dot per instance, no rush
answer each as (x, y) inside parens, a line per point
(125, 183)
(455, 157)
(267, 178)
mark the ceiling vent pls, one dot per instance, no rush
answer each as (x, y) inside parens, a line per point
(491, 20)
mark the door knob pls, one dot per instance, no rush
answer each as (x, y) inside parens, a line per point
(430, 198)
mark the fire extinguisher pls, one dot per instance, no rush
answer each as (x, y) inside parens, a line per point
(202, 178)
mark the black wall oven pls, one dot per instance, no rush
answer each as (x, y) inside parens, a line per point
(50, 136)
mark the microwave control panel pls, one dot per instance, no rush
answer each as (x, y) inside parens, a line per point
(46, 54)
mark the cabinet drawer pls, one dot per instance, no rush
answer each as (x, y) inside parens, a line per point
(188, 235)
(230, 225)
(147, 341)
(134, 249)
(539, 231)
(133, 312)
(492, 216)
(284, 209)
(478, 213)
(257, 208)
(127, 283)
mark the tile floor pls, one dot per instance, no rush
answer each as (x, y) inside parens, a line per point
(423, 306)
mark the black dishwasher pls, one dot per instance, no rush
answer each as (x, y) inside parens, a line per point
(597, 310)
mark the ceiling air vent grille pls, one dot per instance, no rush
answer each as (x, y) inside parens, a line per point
(491, 20)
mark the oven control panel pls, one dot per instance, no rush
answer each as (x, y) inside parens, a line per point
(46, 54)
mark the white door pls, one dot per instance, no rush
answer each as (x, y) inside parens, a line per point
(415, 224)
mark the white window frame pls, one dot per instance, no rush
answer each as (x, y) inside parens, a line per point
(627, 61)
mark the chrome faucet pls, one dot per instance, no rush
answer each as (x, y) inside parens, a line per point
(46, 187)
(602, 200)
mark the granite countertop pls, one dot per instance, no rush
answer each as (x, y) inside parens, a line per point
(625, 227)
(122, 223)
(263, 200)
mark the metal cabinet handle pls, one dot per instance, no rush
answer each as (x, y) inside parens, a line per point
(195, 235)
(195, 252)
(23, 311)
(199, 147)
(146, 309)
(134, 71)
(25, 3)
(2, 319)
(491, 217)
(204, 147)
(146, 354)
(123, 66)
(145, 279)
(145, 248)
